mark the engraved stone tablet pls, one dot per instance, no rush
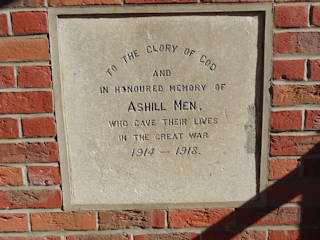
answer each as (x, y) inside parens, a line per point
(159, 109)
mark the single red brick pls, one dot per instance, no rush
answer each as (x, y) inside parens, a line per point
(11, 199)
(24, 3)
(34, 76)
(289, 69)
(280, 193)
(9, 128)
(161, 1)
(39, 127)
(26, 102)
(284, 168)
(13, 222)
(129, 219)
(285, 95)
(252, 235)
(297, 42)
(294, 234)
(291, 16)
(294, 145)
(264, 216)
(284, 235)
(246, 235)
(24, 50)
(4, 29)
(315, 70)
(32, 238)
(29, 152)
(200, 218)
(44, 175)
(315, 15)
(11, 176)
(286, 120)
(99, 237)
(74, 221)
(311, 168)
(6, 77)
(166, 236)
(58, 3)
(29, 22)
(219, 235)
(33, 3)
(312, 121)
(158, 219)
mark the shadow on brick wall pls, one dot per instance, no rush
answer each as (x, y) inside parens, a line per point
(290, 188)
(4, 3)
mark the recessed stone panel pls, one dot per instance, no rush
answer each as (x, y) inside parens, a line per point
(159, 109)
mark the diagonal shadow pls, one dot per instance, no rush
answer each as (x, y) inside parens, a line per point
(4, 3)
(281, 192)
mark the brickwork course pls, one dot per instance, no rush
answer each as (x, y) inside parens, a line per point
(31, 206)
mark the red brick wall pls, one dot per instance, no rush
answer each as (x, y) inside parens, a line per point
(30, 182)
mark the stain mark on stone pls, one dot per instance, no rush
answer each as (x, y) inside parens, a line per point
(250, 129)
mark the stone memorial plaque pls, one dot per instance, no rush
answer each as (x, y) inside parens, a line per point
(159, 109)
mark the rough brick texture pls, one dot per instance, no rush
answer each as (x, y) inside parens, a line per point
(171, 236)
(39, 127)
(34, 76)
(44, 175)
(312, 120)
(199, 218)
(246, 235)
(29, 22)
(289, 69)
(297, 42)
(12, 199)
(285, 95)
(263, 216)
(11, 176)
(284, 234)
(315, 20)
(26, 102)
(294, 145)
(56, 3)
(293, 192)
(32, 238)
(63, 221)
(24, 3)
(286, 120)
(28, 152)
(6, 77)
(24, 50)
(9, 128)
(4, 29)
(13, 222)
(283, 168)
(315, 70)
(98, 237)
(131, 219)
(291, 16)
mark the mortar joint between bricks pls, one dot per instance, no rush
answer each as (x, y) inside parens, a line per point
(25, 175)
(10, 26)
